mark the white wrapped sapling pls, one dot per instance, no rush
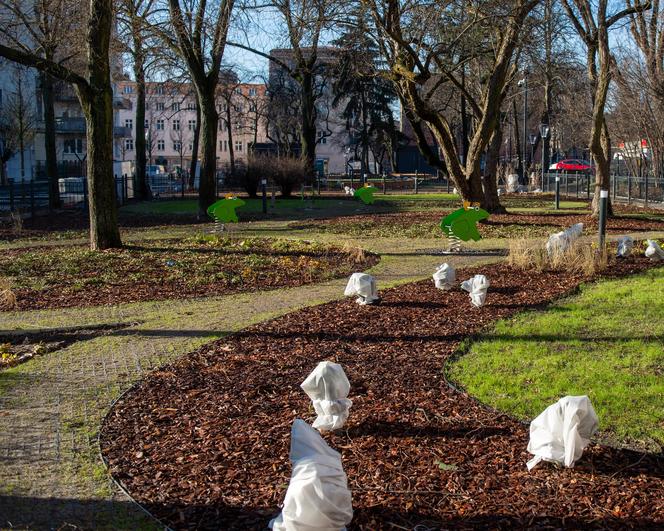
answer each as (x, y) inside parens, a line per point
(318, 498)
(654, 251)
(444, 277)
(328, 388)
(625, 245)
(364, 286)
(561, 241)
(477, 287)
(562, 431)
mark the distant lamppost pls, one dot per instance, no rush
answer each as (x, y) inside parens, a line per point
(533, 141)
(524, 83)
(544, 133)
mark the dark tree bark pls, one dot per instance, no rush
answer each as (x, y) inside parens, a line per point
(48, 100)
(209, 124)
(143, 190)
(229, 136)
(195, 148)
(308, 128)
(490, 182)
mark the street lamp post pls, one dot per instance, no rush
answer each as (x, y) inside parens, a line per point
(544, 134)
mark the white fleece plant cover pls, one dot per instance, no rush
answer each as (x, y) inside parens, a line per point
(512, 182)
(625, 246)
(444, 277)
(562, 431)
(654, 251)
(328, 388)
(318, 498)
(561, 241)
(477, 287)
(364, 286)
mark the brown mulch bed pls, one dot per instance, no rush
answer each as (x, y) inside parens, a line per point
(72, 276)
(426, 224)
(203, 443)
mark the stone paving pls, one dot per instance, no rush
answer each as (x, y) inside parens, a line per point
(51, 476)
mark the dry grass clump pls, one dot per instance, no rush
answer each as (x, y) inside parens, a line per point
(7, 295)
(527, 255)
(581, 257)
(356, 254)
(17, 222)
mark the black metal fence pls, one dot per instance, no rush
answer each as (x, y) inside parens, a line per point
(645, 189)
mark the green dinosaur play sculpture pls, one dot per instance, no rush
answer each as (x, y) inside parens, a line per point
(462, 223)
(224, 210)
(365, 194)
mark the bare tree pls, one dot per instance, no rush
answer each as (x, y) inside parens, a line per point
(196, 30)
(20, 115)
(592, 22)
(48, 29)
(305, 23)
(428, 47)
(95, 95)
(137, 41)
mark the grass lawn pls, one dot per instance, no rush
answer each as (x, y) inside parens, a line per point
(332, 206)
(606, 342)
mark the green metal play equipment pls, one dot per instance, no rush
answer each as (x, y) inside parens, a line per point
(365, 194)
(223, 211)
(461, 225)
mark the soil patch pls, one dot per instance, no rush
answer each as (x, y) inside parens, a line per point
(204, 265)
(519, 225)
(203, 443)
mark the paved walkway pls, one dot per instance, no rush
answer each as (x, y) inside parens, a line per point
(51, 476)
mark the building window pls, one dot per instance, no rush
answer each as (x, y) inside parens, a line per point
(147, 124)
(252, 91)
(238, 145)
(73, 145)
(221, 146)
(175, 107)
(225, 145)
(159, 106)
(129, 144)
(128, 89)
(159, 89)
(160, 125)
(238, 90)
(238, 125)
(238, 107)
(177, 146)
(222, 125)
(161, 145)
(191, 106)
(190, 147)
(321, 139)
(252, 107)
(129, 124)
(176, 125)
(192, 125)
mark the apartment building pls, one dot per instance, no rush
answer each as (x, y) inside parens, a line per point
(171, 121)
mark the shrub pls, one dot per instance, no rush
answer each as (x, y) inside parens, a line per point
(7, 295)
(289, 173)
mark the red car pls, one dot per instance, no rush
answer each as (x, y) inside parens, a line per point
(571, 165)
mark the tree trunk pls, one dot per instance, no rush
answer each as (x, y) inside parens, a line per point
(229, 134)
(194, 148)
(209, 124)
(143, 190)
(308, 133)
(97, 103)
(49, 141)
(491, 201)
(600, 145)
